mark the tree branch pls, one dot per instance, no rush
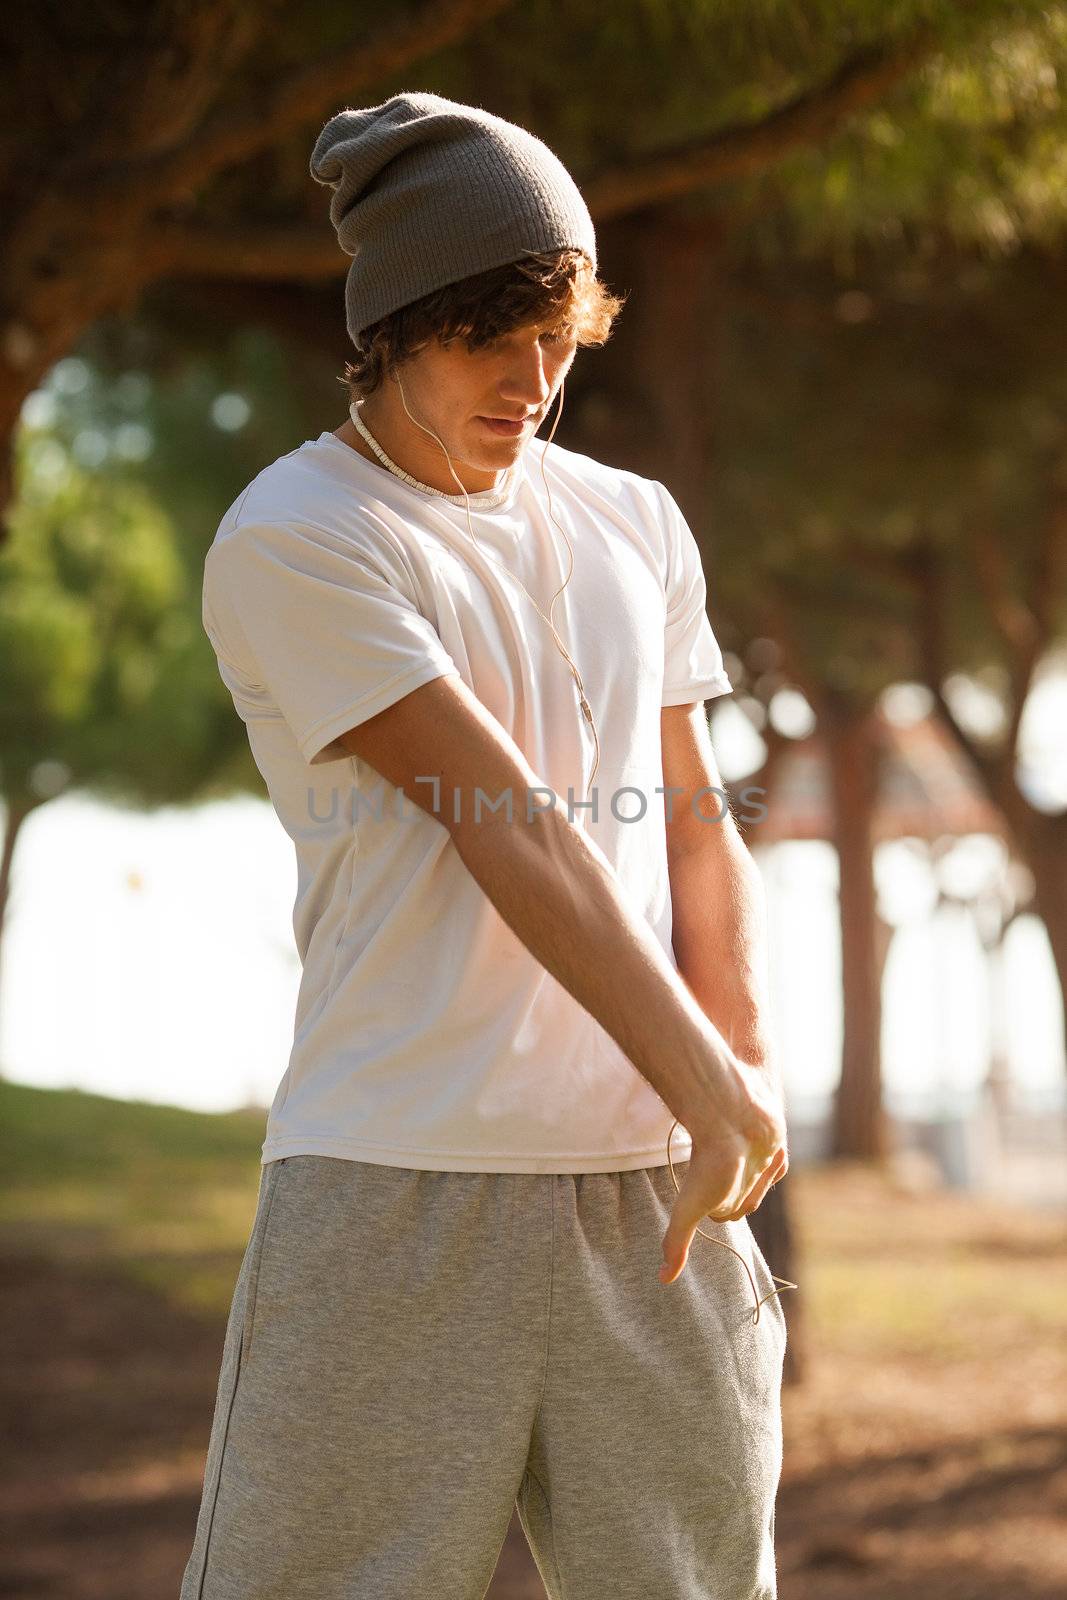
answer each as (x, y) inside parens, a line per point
(993, 770)
(891, 568)
(1050, 571)
(776, 624)
(197, 250)
(231, 134)
(298, 314)
(162, 94)
(810, 118)
(1015, 623)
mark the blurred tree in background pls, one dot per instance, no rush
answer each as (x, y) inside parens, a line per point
(890, 504)
(840, 230)
(91, 621)
(168, 142)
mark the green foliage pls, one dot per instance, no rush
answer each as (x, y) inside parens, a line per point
(127, 459)
(848, 447)
(680, 71)
(188, 415)
(87, 578)
(971, 148)
(835, 439)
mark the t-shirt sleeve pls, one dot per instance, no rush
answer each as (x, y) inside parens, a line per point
(320, 624)
(692, 660)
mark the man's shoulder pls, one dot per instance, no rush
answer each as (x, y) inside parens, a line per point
(586, 471)
(303, 500)
(287, 489)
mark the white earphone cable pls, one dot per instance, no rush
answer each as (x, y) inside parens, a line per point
(587, 712)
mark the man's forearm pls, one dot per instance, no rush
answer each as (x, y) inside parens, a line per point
(559, 893)
(720, 940)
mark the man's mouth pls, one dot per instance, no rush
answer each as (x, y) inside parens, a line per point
(506, 427)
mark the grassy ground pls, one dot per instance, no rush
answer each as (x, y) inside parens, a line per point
(926, 1447)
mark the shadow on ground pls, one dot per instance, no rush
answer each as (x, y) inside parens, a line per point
(107, 1396)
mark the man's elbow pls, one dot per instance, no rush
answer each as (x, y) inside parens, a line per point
(711, 835)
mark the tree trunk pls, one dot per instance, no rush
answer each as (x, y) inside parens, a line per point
(852, 742)
(646, 401)
(17, 812)
(772, 1225)
(1044, 839)
(675, 327)
(653, 411)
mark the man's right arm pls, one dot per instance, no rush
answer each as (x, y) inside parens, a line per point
(553, 885)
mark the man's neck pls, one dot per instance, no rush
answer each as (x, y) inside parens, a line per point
(434, 474)
(350, 435)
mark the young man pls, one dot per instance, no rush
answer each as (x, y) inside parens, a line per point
(472, 668)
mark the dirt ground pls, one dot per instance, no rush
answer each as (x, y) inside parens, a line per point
(925, 1447)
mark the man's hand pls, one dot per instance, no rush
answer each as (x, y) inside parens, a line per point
(728, 1174)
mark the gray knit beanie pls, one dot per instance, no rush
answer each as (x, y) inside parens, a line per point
(427, 191)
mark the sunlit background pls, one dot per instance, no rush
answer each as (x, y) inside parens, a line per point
(841, 228)
(153, 956)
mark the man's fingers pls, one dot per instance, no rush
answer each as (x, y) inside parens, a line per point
(685, 1219)
(687, 1214)
(772, 1174)
(675, 1258)
(755, 1196)
(678, 1238)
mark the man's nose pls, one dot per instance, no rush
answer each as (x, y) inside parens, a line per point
(525, 383)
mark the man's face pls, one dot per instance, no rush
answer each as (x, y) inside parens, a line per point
(457, 392)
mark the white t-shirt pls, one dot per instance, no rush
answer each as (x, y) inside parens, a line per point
(426, 1034)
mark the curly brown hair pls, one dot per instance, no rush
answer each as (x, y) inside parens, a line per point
(557, 287)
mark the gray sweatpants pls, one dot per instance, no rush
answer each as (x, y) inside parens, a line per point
(409, 1354)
